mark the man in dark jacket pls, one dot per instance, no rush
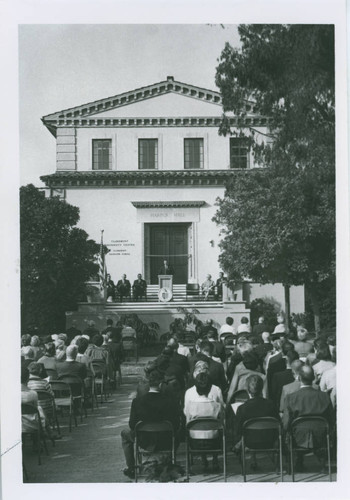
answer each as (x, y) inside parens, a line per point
(307, 401)
(255, 406)
(216, 370)
(151, 407)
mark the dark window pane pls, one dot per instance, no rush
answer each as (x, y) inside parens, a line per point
(148, 153)
(193, 152)
(239, 153)
(102, 154)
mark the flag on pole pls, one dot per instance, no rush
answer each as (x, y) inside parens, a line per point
(102, 269)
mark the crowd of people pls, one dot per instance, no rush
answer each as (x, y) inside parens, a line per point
(279, 376)
(230, 374)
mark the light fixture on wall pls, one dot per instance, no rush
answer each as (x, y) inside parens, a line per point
(211, 243)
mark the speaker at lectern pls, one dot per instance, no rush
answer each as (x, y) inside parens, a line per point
(165, 284)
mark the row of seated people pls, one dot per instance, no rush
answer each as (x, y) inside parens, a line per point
(180, 387)
(83, 360)
(123, 288)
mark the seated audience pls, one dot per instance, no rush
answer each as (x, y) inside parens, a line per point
(182, 349)
(260, 327)
(151, 407)
(248, 366)
(71, 367)
(302, 346)
(73, 331)
(27, 356)
(219, 353)
(256, 406)
(139, 288)
(323, 361)
(95, 351)
(208, 325)
(25, 342)
(282, 378)
(49, 360)
(244, 326)
(60, 350)
(216, 370)
(263, 348)
(328, 382)
(35, 345)
(203, 400)
(91, 330)
(227, 328)
(280, 328)
(30, 397)
(307, 401)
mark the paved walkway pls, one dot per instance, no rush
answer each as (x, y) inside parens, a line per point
(92, 452)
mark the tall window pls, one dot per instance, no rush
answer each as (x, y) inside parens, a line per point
(101, 154)
(239, 152)
(148, 154)
(194, 153)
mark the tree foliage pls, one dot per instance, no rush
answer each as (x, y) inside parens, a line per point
(57, 259)
(279, 222)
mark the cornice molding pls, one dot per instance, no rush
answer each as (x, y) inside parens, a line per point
(171, 121)
(168, 204)
(138, 178)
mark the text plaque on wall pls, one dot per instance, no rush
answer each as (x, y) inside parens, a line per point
(172, 214)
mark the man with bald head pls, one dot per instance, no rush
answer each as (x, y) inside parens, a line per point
(307, 401)
(71, 367)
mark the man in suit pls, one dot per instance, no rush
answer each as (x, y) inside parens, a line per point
(71, 367)
(208, 287)
(123, 288)
(73, 331)
(150, 407)
(219, 282)
(216, 370)
(307, 401)
(255, 406)
(139, 287)
(282, 378)
(219, 349)
(166, 268)
(260, 327)
(110, 286)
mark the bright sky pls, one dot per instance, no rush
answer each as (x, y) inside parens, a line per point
(61, 66)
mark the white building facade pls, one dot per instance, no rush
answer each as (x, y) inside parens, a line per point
(147, 167)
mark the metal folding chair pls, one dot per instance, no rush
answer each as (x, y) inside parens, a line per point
(155, 428)
(310, 424)
(38, 433)
(271, 434)
(201, 426)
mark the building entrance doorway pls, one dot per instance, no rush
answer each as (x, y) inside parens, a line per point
(168, 241)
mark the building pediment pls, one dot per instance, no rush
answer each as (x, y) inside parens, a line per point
(165, 96)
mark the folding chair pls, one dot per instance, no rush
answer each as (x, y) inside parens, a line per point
(130, 345)
(38, 433)
(164, 441)
(197, 430)
(77, 391)
(52, 374)
(99, 369)
(270, 431)
(317, 429)
(47, 403)
(64, 399)
(240, 396)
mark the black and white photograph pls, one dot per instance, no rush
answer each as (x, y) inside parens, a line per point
(181, 190)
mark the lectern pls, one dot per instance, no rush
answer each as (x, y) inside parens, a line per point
(165, 283)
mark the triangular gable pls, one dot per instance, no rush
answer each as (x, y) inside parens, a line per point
(137, 95)
(164, 105)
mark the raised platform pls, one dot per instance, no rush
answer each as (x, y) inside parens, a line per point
(162, 313)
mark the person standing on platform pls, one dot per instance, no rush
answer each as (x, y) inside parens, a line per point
(139, 288)
(219, 282)
(166, 268)
(123, 288)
